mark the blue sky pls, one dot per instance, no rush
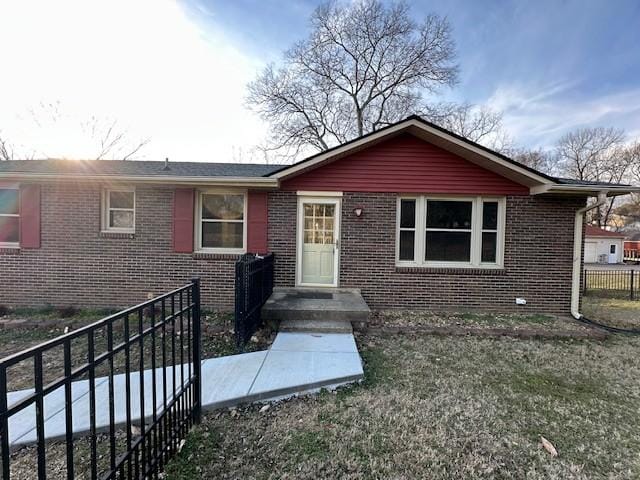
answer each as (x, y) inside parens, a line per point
(551, 65)
(175, 71)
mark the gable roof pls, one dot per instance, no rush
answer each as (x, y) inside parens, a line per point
(538, 182)
(269, 176)
(592, 231)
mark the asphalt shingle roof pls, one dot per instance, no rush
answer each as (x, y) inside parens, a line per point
(136, 168)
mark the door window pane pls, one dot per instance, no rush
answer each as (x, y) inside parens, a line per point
(448, 246)
(407, 214)
(489, 244)
(448, 214)
(407, 242)
(9, 229)
(222, 234)
(490, 215)
(9, 201)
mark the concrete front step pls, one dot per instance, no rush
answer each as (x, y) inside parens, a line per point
(319, 326)
(316, 304)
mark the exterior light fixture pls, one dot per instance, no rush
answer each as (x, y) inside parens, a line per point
(358, 211)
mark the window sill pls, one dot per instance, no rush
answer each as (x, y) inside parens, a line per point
(430, 270)
(109, 234)
(10, 250)
(216, 256)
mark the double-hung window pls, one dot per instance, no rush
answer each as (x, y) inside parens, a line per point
(119, 210)
(9, 217)
(221, 222)
(450, 231)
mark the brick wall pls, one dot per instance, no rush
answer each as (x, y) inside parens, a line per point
(538, 257)
(77, 265)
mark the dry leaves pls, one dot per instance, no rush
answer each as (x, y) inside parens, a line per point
(548, 446)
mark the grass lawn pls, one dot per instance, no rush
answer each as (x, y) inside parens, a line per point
(612, 311)
(441, 408)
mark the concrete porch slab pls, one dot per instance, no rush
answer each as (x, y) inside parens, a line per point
(317, 304)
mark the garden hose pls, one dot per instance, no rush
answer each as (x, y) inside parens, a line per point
(629, 331)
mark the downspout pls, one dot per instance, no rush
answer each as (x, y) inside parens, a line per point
(577, 253)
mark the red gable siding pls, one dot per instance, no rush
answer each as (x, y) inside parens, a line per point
(404, 164)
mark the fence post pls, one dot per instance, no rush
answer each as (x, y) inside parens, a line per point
(197, 353)
(632, 277)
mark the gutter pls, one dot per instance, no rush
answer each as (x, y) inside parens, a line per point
(577, 253)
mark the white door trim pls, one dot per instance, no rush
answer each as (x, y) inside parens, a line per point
(337, 201)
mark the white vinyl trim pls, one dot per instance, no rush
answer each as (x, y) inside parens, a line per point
(106, 209)
(337, 201)
(476, 231)
(198, 222)
(305, 193)
(11, 186)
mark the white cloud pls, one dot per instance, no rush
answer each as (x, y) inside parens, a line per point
(538, 116)
(142, 62)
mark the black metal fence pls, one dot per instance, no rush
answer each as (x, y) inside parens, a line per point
(254, 285)
(142, 432)
(611, 283)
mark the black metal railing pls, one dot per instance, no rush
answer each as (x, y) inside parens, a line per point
(162, 335)
(254, 285)
(611, 283)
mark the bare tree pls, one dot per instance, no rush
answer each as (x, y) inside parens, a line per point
(541, 160)
(595, 154)
(479, 124)
(6, 151)
(363, 66)
(112, 142)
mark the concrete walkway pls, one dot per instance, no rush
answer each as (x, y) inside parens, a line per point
(296, 363)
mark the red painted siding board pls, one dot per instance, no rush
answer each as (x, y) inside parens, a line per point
(183, 211)
(257, 222)
(30, 216)
(405, 164)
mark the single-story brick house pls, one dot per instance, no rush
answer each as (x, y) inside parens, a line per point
(413, 215)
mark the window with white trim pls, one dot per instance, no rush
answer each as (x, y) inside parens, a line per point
(9, 217)
(221, 222)
(450, 231)
(119, 210)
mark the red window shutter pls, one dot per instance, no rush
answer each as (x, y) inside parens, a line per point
(30, 216)
(257, 222)
(183, 200)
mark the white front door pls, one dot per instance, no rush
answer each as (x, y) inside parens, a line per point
(318, 241)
